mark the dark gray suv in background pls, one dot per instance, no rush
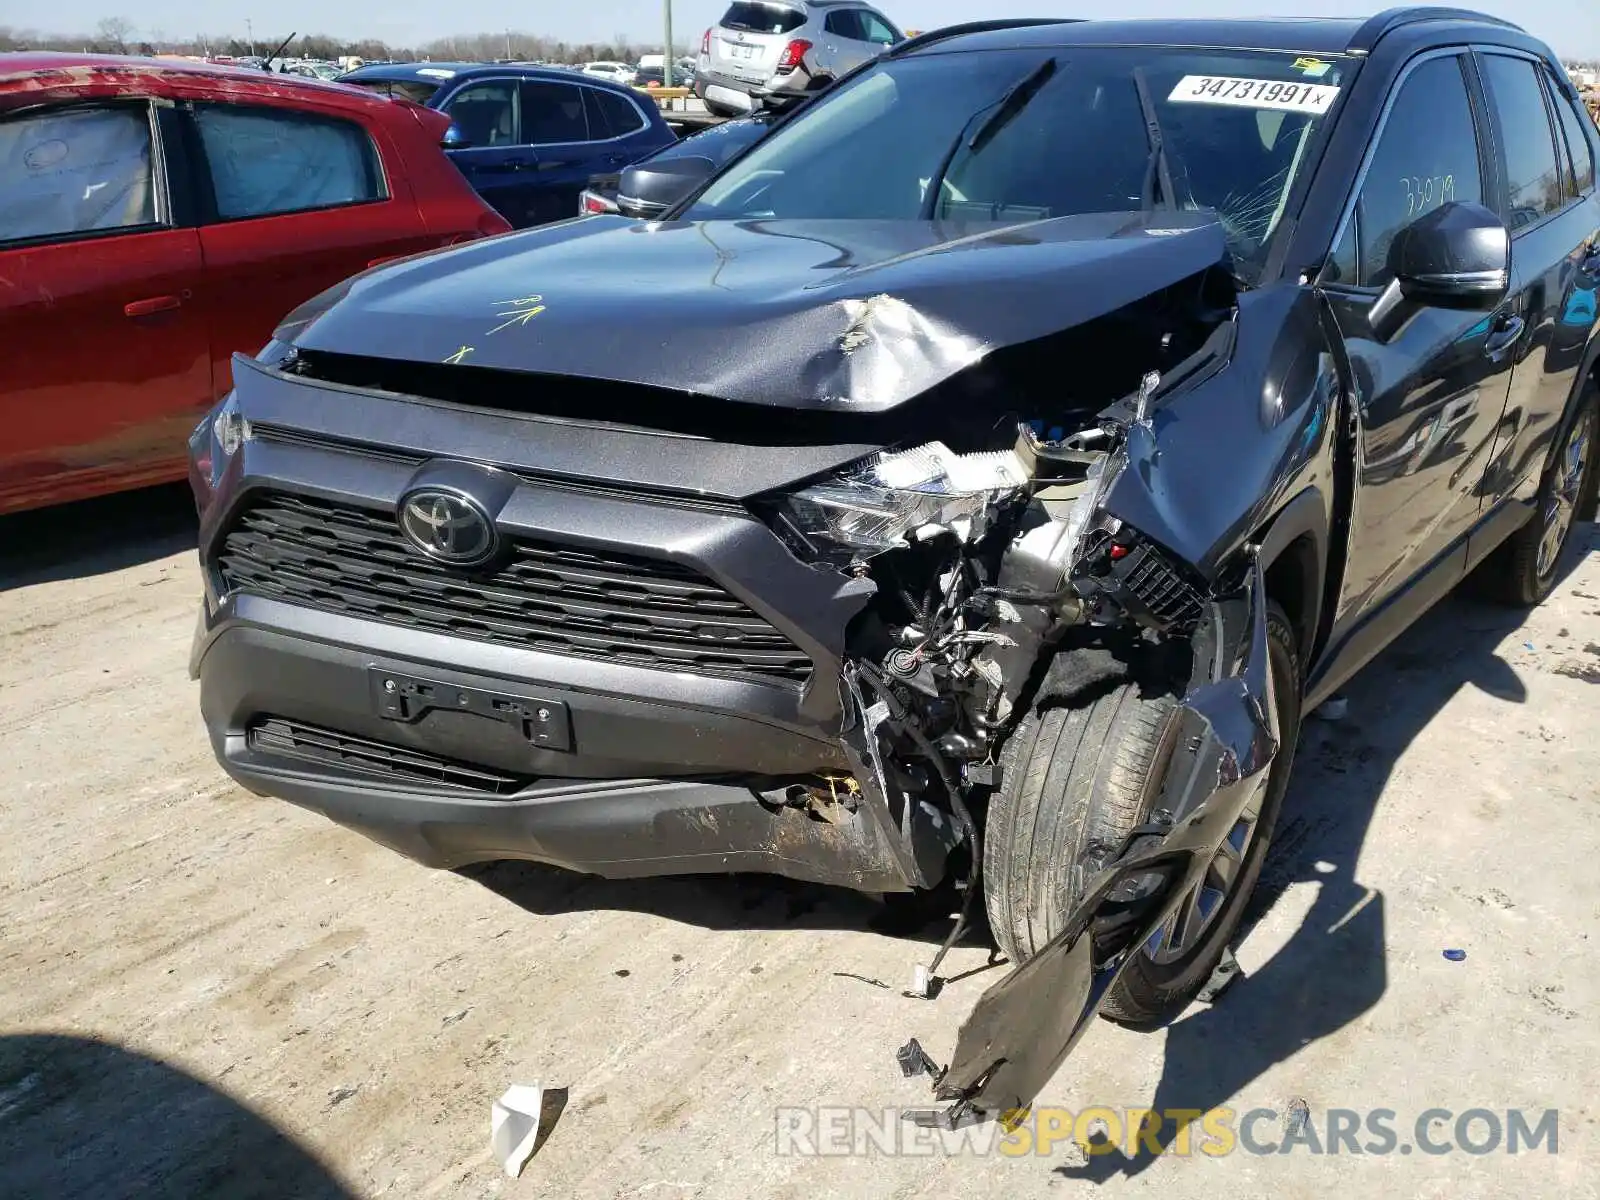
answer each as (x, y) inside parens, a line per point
(914, 502)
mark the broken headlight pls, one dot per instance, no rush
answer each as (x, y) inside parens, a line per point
(274, 353)
(880, 502)
(214, 442)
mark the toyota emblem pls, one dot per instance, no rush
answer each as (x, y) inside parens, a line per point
(447, 526)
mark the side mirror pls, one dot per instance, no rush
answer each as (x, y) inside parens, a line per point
(1457, 256)
(454, 139)
(648, 189)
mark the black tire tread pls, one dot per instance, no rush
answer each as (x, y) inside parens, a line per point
(1072, 781)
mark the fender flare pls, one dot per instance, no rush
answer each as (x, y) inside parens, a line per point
(1306, 515)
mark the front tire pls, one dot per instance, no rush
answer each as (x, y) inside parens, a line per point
(1074, 783)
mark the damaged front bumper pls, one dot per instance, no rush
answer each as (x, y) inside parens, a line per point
(1226, 742)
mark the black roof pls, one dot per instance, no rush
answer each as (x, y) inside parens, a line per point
(1311, 35)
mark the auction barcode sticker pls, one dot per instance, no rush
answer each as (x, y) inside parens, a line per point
(1284, 96)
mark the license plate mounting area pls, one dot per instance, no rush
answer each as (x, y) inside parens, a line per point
(402, 697)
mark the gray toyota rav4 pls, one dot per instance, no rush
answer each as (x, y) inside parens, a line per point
(973, 480)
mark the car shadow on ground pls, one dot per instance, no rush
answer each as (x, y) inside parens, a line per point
(721, 902)
(1333, 968)
(80, 1117)
(95, 537)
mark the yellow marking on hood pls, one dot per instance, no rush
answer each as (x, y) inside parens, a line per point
(518, 312)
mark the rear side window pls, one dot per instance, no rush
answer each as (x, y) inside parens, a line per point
(1533, 169)
(264, 162)
(844, 24)
(762, 18)
(875, 29)
(553, 113)
(1427, 156)
(1576, 126)
(610, 115)
(76, 171)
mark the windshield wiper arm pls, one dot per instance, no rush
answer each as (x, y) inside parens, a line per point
(1008, 106)
(1157, 168)
(1013, 102)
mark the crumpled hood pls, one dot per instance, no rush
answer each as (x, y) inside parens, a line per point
(842, 315)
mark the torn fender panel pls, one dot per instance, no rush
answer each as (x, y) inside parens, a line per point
(1022, 1029)
(834, 315)
(1270, 417)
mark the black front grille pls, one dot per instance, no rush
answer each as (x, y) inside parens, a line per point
(377, 760)
(624, 608)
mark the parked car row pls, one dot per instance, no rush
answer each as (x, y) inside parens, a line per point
(310, 68)
(157, 218)
(528, 139)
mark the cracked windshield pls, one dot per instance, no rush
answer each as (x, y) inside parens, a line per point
(1136, 129)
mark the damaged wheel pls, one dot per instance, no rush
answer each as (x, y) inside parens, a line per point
(1076, 782)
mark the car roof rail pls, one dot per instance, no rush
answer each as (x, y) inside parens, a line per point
(966, 27)
(1375, 28)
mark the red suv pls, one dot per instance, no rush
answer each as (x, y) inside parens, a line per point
(157, 217)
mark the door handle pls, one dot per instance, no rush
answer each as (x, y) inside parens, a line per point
(1507, 332)
(151, 306)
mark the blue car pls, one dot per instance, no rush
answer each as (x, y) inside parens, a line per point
(527, 138)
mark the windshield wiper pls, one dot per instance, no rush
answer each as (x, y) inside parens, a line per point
(1008, 106)
(1013, 102)
(1157, 167)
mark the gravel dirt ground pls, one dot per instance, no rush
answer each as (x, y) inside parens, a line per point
(206, 993)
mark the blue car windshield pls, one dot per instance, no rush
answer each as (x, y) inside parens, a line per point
(1019, 135)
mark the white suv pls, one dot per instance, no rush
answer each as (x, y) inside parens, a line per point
(785, 48)
(615, 71)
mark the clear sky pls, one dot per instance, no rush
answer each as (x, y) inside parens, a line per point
(1572, 27)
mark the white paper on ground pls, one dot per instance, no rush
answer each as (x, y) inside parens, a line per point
(514, 1125)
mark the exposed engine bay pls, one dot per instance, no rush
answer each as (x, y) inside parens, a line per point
(1000, 580)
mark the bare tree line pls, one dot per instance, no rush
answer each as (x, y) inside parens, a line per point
(118, 35)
